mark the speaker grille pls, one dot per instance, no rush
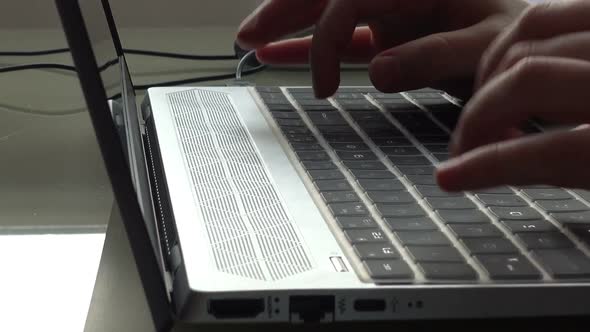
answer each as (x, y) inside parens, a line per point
(250, 232)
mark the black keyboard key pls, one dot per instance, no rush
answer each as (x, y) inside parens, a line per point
(431, 238)
(285, 115)
(365, 116)
(563, 206)
(572, 217)
(290, 123)
(287, 107)
(390, 197)
(581, 231)
(411, 224)
(509, 267)
(400, 210)
(359, 108)
(317, 165)
(437, 148)
(333, 185)
(501, 200)
(365, 165)
(349, 95)
(417, 170)
(433, 139)
(565, 264)
(435, 191)
(388, 269)
(428, 180)
(340, 196)
(296, 130)
(448, 271)
(313, 156)
(299, 138)
(333, 174)
(470, 231)
(442, 156)
(549, 240)
(547, 194)
(516, 213)
(357, 156)
(401, 151)
(450, 203)
(376, 251)
(312, 102)
(463, 216)
(497, 245)
(352, 147)
(348, 209)
(436, 254)
(392, 141)
(365, 236)
(495, 191)
(356, 222)
(327, 118)
(268, 89)
(381, 185)
(362, 174)
(318, 108)
(409, 160)
(529, 226)
(343, 138)
(306, 147)
(336, 130)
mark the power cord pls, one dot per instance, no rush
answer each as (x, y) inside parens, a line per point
(37, 66)
(133, 51)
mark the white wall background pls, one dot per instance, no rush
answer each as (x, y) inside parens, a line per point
(133, 13)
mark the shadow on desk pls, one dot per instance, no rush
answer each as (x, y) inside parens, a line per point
(119, 304)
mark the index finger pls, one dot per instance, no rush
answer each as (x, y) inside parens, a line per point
(277, 18)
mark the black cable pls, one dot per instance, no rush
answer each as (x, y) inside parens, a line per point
(180, 55)
(128, 51)
(37, 66)
(201, 79)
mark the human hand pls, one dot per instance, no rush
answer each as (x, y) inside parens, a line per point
(538, 68)
(410, 44)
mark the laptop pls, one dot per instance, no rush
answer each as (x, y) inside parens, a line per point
(266, 205)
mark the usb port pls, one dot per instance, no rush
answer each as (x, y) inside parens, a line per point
(369, 305)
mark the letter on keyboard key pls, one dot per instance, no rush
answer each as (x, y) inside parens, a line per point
(432, 238)
(365, 236)
(448, 271)
(451, 203)
(381, 185)
(348, 209)
(401, 210)
(463, 216)
(361, 155)
(333, 185)
(388, 269)
(353, 147)
(376, 251)
(509, 267)
(340, 196)
(490, 246)
(436, 254)
(529, 226)
(516, 213)
(550, 240)
(563, 206)
(565, 264)
(356, 222)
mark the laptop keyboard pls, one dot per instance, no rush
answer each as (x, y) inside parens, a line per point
(371, 156)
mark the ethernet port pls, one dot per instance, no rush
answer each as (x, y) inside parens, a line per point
(312, 309)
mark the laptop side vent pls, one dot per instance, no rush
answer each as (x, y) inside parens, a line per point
(250, 231)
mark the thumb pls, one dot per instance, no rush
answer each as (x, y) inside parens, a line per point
(434, 58)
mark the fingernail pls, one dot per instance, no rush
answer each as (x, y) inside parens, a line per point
(386, 72)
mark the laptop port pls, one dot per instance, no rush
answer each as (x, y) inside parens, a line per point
(236, 308)
(369, 305)
(311, 309)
